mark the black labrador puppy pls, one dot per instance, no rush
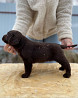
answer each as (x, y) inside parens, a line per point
(36, 52)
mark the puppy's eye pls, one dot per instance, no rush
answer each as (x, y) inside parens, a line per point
(13, 35)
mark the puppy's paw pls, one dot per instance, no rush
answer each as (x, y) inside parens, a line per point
(66, 75)
(24, 75)
(61, 68)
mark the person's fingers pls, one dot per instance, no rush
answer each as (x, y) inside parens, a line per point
(67, 42)
(6, 47)
(9, 49)
(12, 50)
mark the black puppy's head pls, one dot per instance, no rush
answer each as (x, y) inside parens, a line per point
(12, 37)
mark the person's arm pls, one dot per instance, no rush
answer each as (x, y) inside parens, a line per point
(24, 16)
(64, 12)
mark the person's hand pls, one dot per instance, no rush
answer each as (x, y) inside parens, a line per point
(67, 41)
(9, 49)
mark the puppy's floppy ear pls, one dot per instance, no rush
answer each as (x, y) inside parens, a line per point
(13, 40)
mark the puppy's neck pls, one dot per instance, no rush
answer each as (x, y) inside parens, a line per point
(19, 46)
(23, 42)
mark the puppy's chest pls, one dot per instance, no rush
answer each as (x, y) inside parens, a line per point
(26, 54)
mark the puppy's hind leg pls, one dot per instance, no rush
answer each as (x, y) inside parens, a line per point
(28, 69)
(65, 65)
(61, 68)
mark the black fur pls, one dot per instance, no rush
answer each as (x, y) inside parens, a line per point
(36, 52)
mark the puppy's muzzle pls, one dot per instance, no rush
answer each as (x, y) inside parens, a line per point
(4, 38)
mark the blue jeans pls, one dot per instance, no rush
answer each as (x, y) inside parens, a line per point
(51, 39)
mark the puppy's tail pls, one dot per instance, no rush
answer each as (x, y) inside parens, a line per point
(64, 46)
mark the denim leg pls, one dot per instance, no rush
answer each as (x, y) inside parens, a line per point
(34, 40)
(52, 39)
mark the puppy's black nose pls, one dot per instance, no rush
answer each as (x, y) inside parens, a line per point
(4, 38)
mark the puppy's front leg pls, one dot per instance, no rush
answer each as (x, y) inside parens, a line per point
(28, 69)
